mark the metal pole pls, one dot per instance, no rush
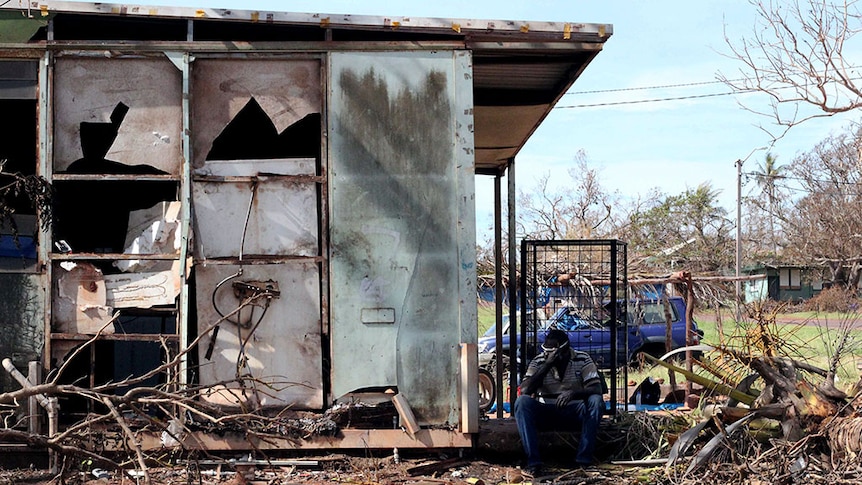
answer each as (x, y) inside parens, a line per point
(513, 290)
(498, 293)
(737, 283)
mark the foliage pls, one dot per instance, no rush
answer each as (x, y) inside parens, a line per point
(663, 231)
(17, 189)
(689, 230)
(832, 300)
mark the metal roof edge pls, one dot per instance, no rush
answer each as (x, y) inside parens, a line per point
(520, 29)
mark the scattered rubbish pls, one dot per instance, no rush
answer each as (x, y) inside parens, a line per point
(100, 474)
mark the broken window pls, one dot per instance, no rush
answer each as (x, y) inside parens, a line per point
(790, 278)
(116, 241)
(18, 162)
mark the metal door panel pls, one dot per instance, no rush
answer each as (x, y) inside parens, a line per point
(283, 219)
(283, 352)
(395, 183)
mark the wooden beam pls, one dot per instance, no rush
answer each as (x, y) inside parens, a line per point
(469, 388)
(408, 420)
(125, 337)
(346, 439)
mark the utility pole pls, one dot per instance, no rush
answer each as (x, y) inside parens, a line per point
(738, 283)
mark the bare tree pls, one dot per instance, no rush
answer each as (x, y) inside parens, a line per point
(824, 226)
(798, 54)
(580, 209)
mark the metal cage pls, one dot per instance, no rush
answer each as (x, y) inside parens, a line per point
(581, 287)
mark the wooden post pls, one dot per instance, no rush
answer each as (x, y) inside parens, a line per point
(34, 375)
(470, 388)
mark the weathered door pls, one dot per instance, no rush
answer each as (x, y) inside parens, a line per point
(402, 231)
(256, 188)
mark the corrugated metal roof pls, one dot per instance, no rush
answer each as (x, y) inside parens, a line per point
(520, 68)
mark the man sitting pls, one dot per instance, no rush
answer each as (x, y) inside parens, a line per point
(562, 388)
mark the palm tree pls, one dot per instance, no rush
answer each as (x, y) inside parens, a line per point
(765, 176)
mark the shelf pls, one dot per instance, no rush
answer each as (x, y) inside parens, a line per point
(82, 177)
(112, 256)
(123, 337)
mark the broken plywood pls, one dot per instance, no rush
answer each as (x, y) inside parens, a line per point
(284, 220)
(80, 302)
(89, 91)
(287, 91)
(278, 354)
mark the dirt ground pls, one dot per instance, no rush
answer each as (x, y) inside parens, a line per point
(424, 470)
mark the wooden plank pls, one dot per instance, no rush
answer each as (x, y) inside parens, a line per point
(469, 388)
(408, 420)
(346, 439)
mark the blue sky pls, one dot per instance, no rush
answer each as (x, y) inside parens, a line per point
(671, 145)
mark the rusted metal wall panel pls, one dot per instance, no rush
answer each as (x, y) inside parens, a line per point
(283, 219)
(395, 169)
(256, 131)
(283, 353)
(89, 90)
(286, 90)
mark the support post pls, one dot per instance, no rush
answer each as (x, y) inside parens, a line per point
(34, 376)
(738, 239)
(498, 292)
(513, 290)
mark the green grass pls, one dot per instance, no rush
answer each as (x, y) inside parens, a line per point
(806, 338)
(810, 338)
(486, 317)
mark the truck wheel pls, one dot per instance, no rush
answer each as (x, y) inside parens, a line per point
(487, 391)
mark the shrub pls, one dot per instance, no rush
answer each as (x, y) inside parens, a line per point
(833, 300)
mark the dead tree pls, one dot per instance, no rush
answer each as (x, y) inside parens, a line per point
(795, 55)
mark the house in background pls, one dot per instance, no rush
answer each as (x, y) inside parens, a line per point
(289, 196)
(783, 283)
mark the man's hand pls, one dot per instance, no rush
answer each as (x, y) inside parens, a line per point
(565, 398)
(554, 356)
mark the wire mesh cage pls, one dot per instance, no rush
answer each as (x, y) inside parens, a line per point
(581, 287)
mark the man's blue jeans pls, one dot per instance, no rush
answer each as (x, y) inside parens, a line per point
(533, 416)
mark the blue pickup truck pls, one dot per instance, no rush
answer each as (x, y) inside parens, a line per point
(646, 332)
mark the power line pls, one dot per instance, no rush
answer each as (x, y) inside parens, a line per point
(662, 86)
(801, 179)
(653, 100)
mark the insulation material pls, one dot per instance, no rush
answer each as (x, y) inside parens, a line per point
(117, 115)
(283, 353)
(284, 91)
(143, 290)
(152, 231)
(80, 302)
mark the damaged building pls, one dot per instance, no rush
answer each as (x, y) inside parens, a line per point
(285, 201)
